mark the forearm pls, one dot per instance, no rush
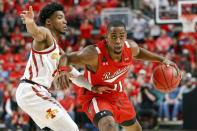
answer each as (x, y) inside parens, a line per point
(149, 56)
(36, 32)
(150, 96)
(79, 79)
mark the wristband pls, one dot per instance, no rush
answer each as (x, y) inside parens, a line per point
(74, 72)
(63, 68)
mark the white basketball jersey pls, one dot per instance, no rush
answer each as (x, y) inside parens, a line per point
(42, 65)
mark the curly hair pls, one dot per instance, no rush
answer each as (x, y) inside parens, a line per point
(48, 11)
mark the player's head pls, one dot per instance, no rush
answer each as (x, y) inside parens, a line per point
(52, 16)
(116, 36)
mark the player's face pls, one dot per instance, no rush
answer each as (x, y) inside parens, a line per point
(59, 22)
(116, 37)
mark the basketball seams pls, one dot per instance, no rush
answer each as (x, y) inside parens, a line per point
(172, 76)
(176, 82)
(159, 82)
(164, 77)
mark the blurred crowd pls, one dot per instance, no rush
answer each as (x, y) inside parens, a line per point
(151, 105)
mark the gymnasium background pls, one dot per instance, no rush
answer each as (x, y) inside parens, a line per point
(153, 24)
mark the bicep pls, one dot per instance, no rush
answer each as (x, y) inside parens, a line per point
(87, 56)
(41, 34)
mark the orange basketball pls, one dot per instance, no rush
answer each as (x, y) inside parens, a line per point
(166, 78)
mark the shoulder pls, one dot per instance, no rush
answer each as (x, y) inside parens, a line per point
(132, 43)
(91, 49)
(86, 56)
(87, 53)
(134, 47)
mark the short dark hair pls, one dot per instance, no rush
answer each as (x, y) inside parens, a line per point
(48, 11)
(115, 23)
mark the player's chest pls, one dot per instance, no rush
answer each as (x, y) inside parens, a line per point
(52, 57)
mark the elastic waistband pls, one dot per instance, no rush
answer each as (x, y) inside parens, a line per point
(31, 82)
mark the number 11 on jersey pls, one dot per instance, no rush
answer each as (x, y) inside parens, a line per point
(116, 86)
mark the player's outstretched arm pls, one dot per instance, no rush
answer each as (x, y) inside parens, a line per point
(143, 54)
(38, 33)
(87, 56)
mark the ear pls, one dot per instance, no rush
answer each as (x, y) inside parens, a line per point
(48, 22)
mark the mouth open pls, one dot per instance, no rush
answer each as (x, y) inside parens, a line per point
(118, 48)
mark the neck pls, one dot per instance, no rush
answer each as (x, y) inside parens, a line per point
(55, 34)
(113, 56)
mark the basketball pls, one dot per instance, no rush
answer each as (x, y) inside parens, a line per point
(166, 78)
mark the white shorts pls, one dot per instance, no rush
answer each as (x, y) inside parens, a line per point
(37, 102)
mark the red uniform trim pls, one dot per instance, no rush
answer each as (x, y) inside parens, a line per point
(35, 62)
(38, 52)
(30, 73)
(43, 97)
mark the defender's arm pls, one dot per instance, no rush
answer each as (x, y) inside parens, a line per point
(37, 32)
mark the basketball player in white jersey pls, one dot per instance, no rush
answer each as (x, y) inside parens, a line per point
(32, 94)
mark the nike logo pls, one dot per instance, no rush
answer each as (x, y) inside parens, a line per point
(113, 79)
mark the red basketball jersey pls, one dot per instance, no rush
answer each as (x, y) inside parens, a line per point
(109, 72)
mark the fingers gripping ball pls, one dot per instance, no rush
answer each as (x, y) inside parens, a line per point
(166, 78)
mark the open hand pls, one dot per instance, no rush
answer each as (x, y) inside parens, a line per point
(169, 62)
(27, 16)
(63, 80)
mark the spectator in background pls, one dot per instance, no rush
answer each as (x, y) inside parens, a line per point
(20, 119)
(163, 42)
(190, 84)
(160, 98)
(16, 74)
(68, 102)
(6, 33)
(97, 19)
(86, 29)
(3, 73)
(9, 18)
(154, 29)
(4, 48)
(184, 63)
(2, 13)
(81, 45)
(149, 6)
(10, 107)
(146, 106)
(1, 103)
(151, 43)
(194, 63)
(103, 27)
(139, 27)
(132, 87)
(175, 47)
(17, 40)
(172, 98)
(72, 37)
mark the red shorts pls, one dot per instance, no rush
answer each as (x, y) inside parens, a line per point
(118, 106)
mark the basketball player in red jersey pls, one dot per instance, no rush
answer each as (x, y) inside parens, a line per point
(42, 67)
(107, 63)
